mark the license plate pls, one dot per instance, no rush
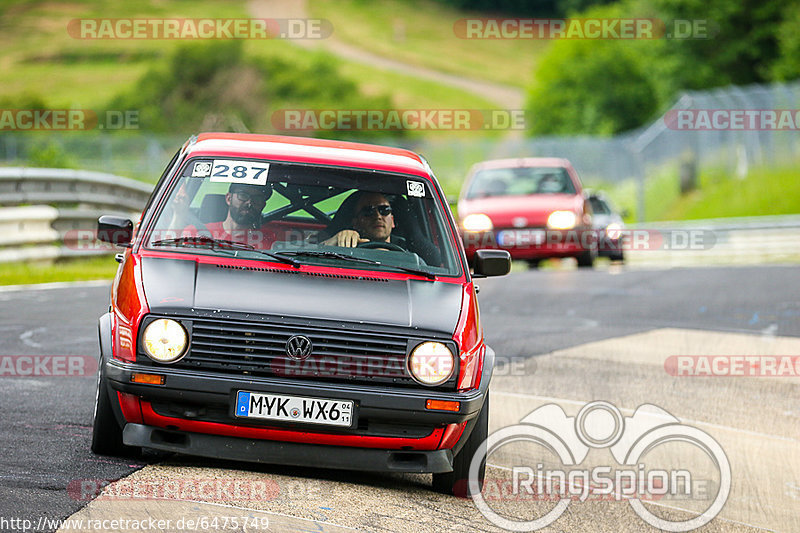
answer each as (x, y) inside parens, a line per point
(294, 409)
(521, 237)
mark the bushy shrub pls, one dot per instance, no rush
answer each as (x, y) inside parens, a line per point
(216, 86)
(589, 87)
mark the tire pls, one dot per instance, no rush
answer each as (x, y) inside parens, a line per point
(533, 264)
(457, 481)
(106, 432)
(586, 259)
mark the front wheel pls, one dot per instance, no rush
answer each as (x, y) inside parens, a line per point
(106, 432)
(457, 481)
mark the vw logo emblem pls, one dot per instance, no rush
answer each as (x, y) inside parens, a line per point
(299, 347)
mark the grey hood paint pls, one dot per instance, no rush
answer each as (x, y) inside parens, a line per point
(177, 283)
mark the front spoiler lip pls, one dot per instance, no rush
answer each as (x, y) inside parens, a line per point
(379, 402)
(288, 453)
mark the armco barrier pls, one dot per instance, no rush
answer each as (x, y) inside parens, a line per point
(38, 206)
(738, 241)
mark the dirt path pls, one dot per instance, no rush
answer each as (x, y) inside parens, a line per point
(503, 95)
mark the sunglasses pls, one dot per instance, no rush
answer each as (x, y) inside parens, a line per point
(383, 210)
(255, 199)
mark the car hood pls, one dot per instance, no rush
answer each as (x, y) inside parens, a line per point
(534, 208)
(175, 284)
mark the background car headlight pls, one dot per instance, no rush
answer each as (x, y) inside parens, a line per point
(164, 340)
(614, 230)
(562, 220)
(477, 222)
(431, 363)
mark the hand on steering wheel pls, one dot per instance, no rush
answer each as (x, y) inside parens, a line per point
(370, 245)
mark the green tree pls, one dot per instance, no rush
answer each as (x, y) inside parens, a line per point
(787, 65)
(215, 86)
(589, 87)
(741, 46)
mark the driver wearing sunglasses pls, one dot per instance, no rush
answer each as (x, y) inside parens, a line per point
(373, 221)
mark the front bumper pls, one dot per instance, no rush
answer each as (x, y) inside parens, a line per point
(382, 403)
(393, 430)
(288, 453)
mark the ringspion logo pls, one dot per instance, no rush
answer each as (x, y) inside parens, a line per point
(598, 425)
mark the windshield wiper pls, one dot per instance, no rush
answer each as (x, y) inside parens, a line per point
(417, 271)
(337, 255)
(321, 253)
(222, 244)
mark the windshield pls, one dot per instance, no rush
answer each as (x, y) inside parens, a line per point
(520, 181)
(599, 207)
(303, 214)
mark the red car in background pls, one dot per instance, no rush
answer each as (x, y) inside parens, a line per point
(533, 207)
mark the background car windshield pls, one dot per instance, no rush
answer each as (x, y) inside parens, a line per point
(293, 209)
(599, 206)
(520, 181)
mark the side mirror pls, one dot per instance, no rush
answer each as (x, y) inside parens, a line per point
(492, 263)
(116, 230)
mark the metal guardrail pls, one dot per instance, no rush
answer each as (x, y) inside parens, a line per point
(737, 241)
(46, 213)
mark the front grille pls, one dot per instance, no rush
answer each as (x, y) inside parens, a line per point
(345, 353)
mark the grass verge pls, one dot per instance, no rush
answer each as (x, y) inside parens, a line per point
(765, 191)
(63, 270)
(421, 32)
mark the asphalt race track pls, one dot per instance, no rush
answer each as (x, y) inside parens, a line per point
(564, 337)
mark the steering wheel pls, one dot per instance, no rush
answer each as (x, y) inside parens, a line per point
(371, 245)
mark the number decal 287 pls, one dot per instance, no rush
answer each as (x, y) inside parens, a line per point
(239, 172)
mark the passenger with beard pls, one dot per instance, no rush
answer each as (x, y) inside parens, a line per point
(243, 222)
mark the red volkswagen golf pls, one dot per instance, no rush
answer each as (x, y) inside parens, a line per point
(296, 301)
(533, 207)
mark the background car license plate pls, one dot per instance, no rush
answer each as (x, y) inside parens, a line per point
(521, 237)
(294, 408)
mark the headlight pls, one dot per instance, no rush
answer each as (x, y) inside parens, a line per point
(562, 220)
(431, 363)
(614, 230)
(165, 340)
(477, 222)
